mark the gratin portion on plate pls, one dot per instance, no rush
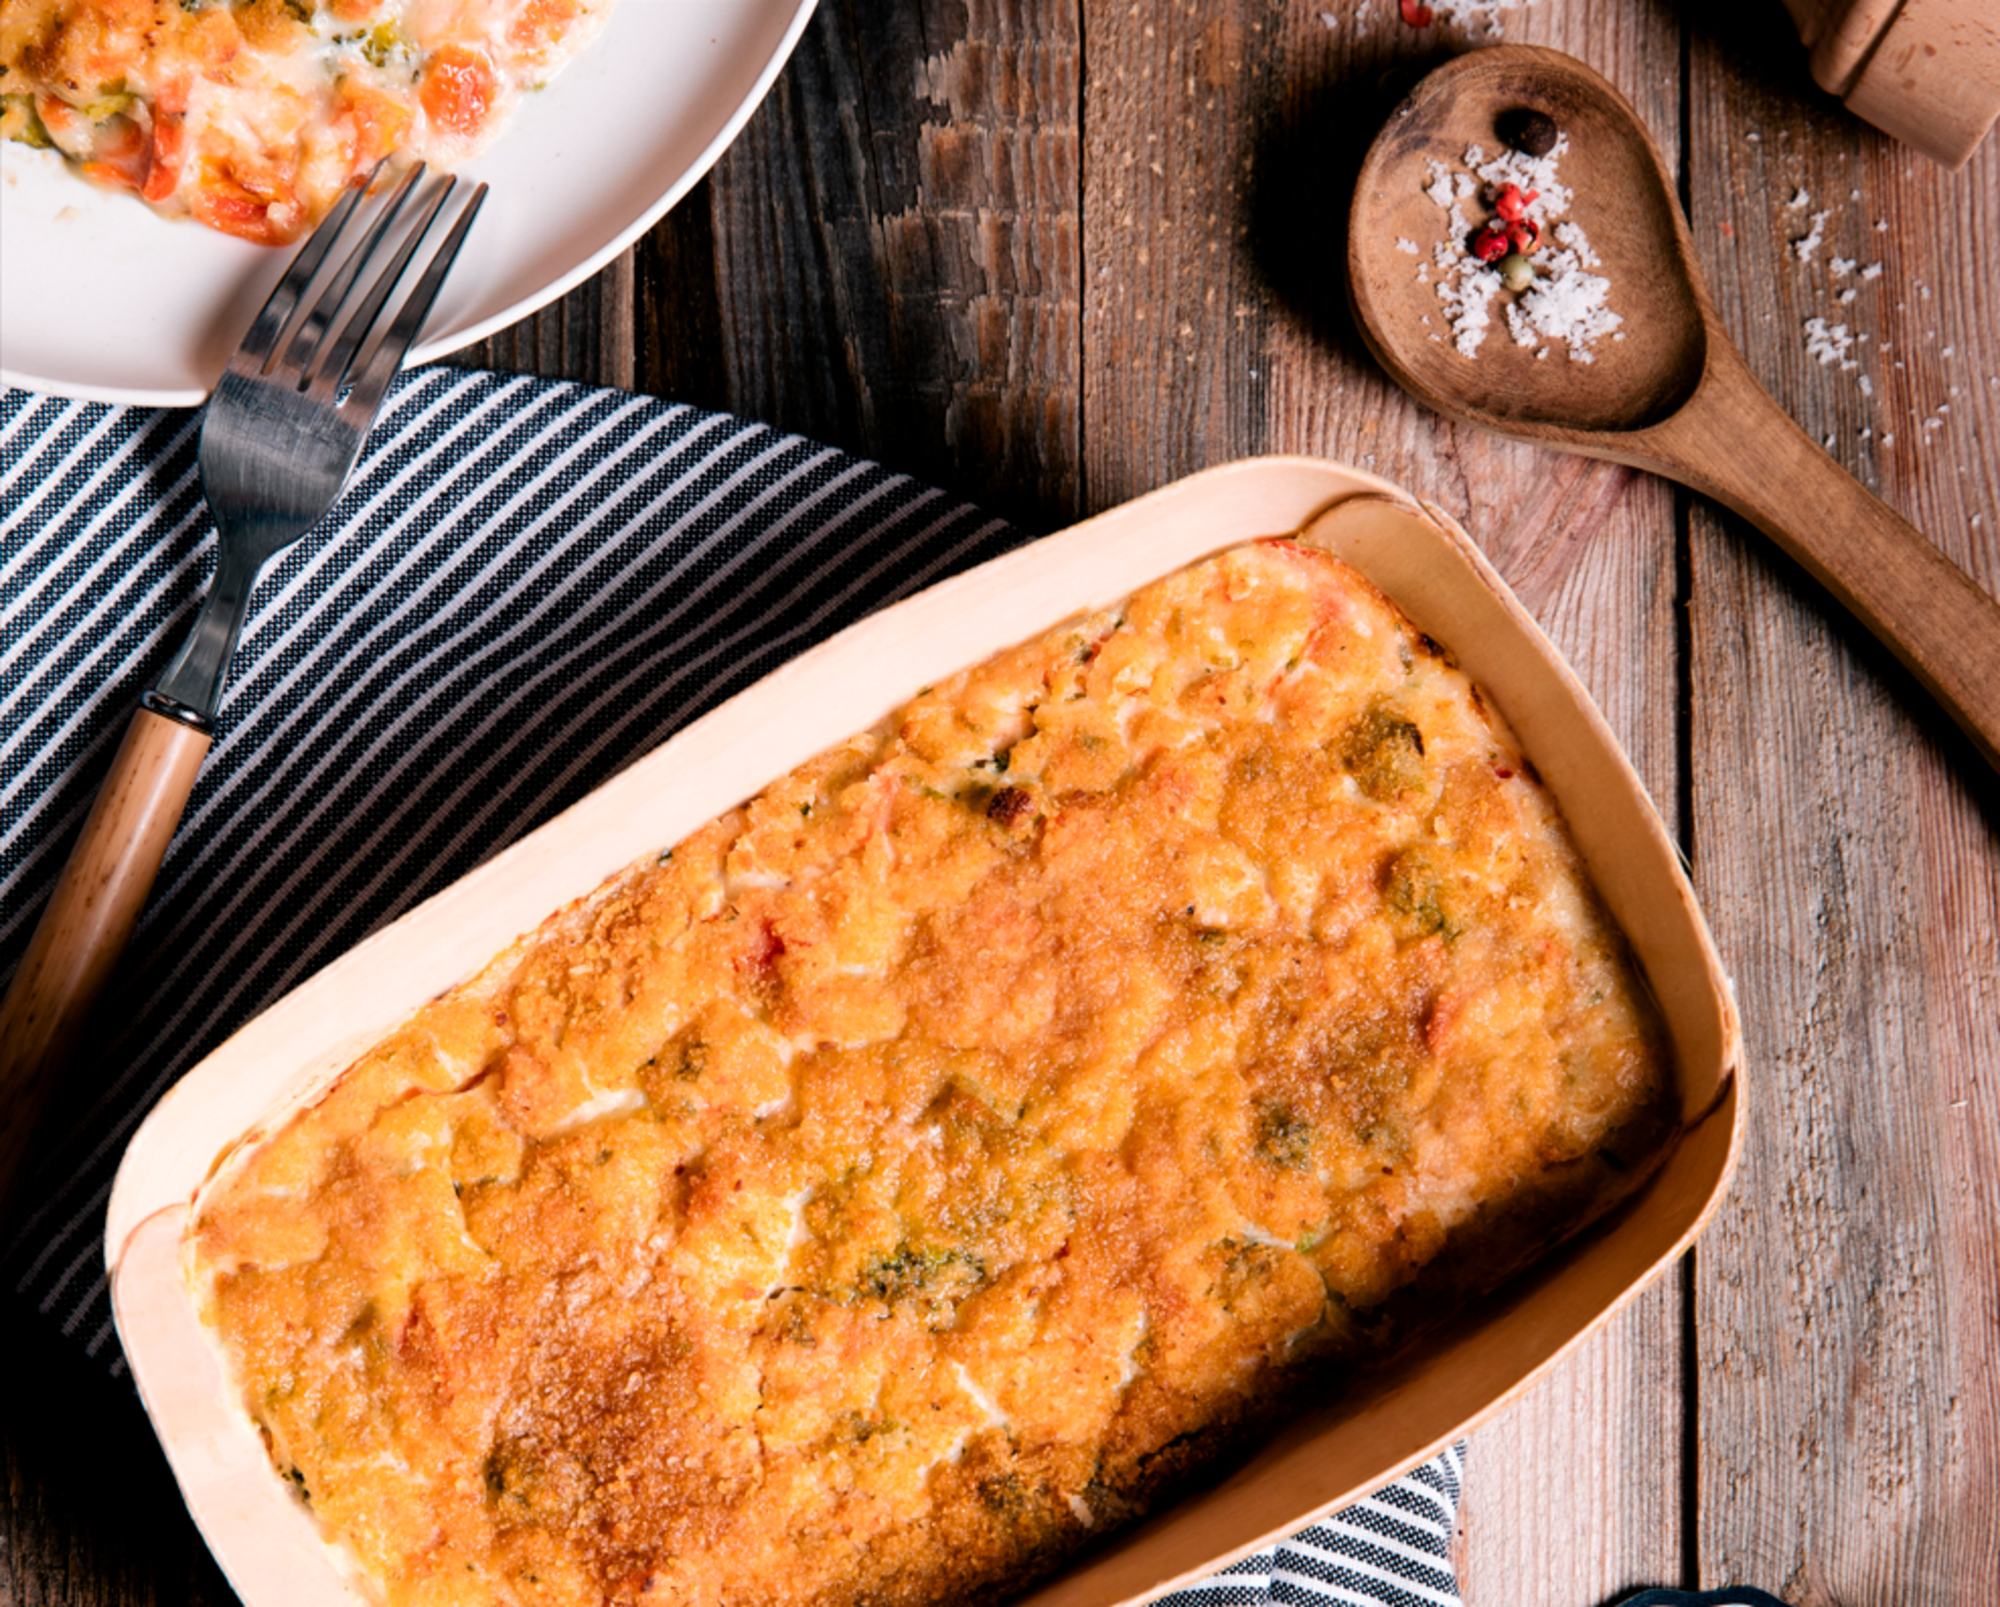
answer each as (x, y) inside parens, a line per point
(252, 116)
(919, 1169)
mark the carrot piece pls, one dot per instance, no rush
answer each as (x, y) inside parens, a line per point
(163, 171)
(541, 22)
(231, 211)
(377, 123)
(112, 174)
(458, 90)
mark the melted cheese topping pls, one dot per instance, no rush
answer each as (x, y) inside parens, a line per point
(254, 115)
(919, 1167)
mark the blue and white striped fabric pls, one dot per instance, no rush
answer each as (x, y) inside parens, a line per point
(1390, 1549)
(527, 585)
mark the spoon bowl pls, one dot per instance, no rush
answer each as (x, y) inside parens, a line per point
(1667, 390)
(1640, 378)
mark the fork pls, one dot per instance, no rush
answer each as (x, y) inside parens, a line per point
(282, 433)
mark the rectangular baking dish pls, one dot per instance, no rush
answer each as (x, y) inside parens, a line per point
(267, 1543)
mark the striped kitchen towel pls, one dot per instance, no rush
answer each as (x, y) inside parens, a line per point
(527, 585)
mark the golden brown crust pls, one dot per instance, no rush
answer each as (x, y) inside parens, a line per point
(925, 1165)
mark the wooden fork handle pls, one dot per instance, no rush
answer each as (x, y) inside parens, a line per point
(91, 914)
(1736, 444)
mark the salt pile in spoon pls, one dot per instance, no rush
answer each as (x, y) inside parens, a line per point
(1567, 302)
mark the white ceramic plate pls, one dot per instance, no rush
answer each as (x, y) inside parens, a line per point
(106, 300)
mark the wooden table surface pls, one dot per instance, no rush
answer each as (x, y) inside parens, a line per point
(1050, 256)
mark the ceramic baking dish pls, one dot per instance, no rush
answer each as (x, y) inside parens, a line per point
(267, 1543)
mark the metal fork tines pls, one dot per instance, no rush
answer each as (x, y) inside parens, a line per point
(287, 419)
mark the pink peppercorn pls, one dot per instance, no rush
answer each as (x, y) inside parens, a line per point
(1490, 244)
(1513, 202)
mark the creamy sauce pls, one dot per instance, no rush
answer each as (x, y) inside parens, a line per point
(254, 115)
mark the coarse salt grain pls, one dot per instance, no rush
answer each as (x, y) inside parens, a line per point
(1466, 296)
(1807, 246)
(1830, 344)
(1440, 188)
(1407, 247)
(1485, 13)
(1566, 302)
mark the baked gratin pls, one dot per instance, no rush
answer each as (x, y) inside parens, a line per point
(923, 1167)
(254, 115)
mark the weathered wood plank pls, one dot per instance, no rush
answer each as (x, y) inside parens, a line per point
(89, 1513)
(897, 256)
(677, 330)
(1847, 845)
(587, 335)
(1177, 100)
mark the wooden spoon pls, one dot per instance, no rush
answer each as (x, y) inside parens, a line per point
(1674, 395)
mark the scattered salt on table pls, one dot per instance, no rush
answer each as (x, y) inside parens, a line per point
(1805, 247)
(1830, 344)
(1468, 12)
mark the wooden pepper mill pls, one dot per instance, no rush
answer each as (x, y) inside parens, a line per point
(1926, 71)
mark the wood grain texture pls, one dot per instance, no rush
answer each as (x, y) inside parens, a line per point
(89, 1512)
(1847, 844)
(1177, 105)
(1735, 443)
(587, 335)
(896, 259)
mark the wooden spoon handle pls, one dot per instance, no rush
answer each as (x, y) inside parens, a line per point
(1733, 442)
(91, 914)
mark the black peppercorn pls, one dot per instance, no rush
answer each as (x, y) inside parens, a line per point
(1530, 131)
